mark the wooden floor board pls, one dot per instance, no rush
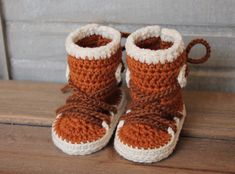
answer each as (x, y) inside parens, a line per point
(210, 114)
(29, 149)
(207, 144)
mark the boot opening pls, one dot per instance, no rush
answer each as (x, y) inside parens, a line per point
(93, 41)
(154, 43)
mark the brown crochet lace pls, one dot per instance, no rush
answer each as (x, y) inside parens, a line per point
(93, 84)
(89, 107)
(157, 96)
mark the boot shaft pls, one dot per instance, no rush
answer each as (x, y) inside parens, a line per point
(156, 62)
(94, 57)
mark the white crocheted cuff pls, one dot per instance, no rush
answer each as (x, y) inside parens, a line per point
(154, 56)
(101, 52)
(182, 76)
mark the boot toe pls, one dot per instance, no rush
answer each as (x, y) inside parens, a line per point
(143, 136)
(76, 130)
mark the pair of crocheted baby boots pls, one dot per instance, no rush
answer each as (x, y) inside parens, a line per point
(148, 130)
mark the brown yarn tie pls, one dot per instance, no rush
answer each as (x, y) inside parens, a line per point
(148, 110)
(89, 107)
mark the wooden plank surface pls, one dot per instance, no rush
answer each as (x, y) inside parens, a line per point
(207, 143)
(210, 114)
(29, 149)
(29, 102)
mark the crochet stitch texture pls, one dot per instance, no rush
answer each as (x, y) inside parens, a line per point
(86, 122)
(157, 70)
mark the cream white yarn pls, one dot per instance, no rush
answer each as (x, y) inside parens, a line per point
(97, 53)
(101, 52)
(89, 147)
(181, 77)
(154, 56)
(149, 155)
(118, 73)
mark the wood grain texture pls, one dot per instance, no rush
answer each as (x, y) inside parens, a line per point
(4, 66)
(29, 103)
(182, 12)
(28, 149)
(34, 103)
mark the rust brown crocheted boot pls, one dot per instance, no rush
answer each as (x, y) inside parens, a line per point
(157, 62)
(87, 120)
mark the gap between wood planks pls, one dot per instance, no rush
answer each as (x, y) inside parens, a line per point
(49, 126)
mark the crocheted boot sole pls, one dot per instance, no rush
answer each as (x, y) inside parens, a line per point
(151, 155)
(90, 147)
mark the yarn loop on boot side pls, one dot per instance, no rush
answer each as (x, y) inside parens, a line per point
(156, 95)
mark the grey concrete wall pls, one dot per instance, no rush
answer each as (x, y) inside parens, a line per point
(36, 30)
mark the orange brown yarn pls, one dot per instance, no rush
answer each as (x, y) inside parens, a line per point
(93, 84)
(91, 75)
(154, 43)
(156, 98)
(93, 41)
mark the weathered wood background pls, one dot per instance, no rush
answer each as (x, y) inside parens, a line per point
(35, 31)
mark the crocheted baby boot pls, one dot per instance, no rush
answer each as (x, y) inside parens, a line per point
(87, 120)
(157, 63)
